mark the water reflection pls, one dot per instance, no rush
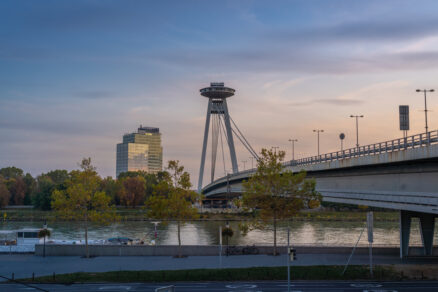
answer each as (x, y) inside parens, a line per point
(207, 232)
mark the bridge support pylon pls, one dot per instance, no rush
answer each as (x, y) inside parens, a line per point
(427, 227)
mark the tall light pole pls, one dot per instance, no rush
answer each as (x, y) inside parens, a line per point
(318, 131)
(293, 147)
(244, 164)
(357, 127)
(252, 161)
(425, 103)
(275, 149)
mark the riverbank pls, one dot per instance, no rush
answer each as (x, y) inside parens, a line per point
(126, 214)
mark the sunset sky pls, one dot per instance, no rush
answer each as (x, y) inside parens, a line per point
(76, 75)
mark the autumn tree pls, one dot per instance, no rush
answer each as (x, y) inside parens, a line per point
(17, 188)
(277, 193)
(134, 191)
(173, 199)
(4, 193)
(83, 200)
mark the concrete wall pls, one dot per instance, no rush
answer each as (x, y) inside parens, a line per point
(139, 250)
(203, 250)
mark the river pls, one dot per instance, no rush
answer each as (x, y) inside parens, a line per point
(207, 232)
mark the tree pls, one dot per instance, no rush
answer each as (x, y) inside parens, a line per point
(83, 200)
(113, 188)
(173, 199)
(42, 197)
(134, 191)
(4, 193)
(277, 193)
(30, 183)
(17, 188)
(11, 172)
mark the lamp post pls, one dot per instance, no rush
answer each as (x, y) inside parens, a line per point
(425, 104)
(244, 164)
(357, 127)
(318, 131)
(252, 162)
(293, 147)
(275, 149)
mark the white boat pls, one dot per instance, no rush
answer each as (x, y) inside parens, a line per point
(19, 240)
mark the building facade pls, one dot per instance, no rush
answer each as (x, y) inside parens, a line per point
(140, 151)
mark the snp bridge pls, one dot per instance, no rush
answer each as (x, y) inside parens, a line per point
(399, 174)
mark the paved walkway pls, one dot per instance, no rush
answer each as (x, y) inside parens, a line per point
(25, 265)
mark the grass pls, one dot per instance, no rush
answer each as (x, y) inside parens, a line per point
(139, 215)
(241, 274)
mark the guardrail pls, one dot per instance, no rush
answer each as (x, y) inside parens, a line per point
(415, 141)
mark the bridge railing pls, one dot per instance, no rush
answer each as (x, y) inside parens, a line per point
(414, 141)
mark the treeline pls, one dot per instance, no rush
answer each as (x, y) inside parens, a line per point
(131, 189)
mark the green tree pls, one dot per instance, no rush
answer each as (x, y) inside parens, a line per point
(173, 199)
(11, 172)
(113, 188)
(30, 183)
(277, 193)
(83, 200)
(42, 197)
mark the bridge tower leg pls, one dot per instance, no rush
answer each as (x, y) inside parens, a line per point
(405, 229)
(427, 226)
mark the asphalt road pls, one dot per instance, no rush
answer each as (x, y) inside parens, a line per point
(240, 286)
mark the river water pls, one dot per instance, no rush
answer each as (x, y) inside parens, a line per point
(207, 232)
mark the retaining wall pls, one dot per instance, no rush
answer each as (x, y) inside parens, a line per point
(202, 250)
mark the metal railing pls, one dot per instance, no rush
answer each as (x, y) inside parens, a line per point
(400, 144)
(415, 141)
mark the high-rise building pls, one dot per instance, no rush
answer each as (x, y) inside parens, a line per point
(140, 151)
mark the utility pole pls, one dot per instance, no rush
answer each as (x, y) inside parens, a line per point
(293, 147)
(318, 131)
(357, 128)
(425, 104)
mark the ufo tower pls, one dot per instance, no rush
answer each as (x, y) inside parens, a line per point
(219, 117)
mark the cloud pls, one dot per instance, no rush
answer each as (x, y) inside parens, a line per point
(94, 94)
(329, 101)
(370, 30)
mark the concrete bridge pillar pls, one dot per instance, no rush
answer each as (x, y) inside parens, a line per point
(427, 226)
(405, 230)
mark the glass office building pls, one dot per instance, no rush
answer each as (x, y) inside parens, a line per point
(140, 151)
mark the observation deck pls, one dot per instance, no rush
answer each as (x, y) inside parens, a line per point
(217, 90)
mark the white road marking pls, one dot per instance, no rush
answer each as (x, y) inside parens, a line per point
(366, 285)
(115, 288)
(244, 286)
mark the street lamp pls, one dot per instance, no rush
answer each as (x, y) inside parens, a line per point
(357, 128)
(275, 149)
(318, 131)
(252, 161)
(293, 147)
(425, 103)
(244, 164)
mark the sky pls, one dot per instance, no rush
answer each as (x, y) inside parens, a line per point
(76, 75)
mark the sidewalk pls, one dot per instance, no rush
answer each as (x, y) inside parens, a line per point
(24, 265)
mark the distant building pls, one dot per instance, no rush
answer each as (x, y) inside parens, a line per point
(140, 151)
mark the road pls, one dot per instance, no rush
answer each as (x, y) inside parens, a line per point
(24, 265)
(269, 286)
